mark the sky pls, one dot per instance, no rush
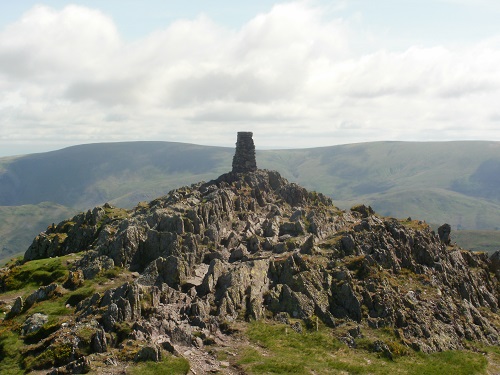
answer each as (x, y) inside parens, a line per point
(297, 73)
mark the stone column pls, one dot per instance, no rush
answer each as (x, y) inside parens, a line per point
(244, 157)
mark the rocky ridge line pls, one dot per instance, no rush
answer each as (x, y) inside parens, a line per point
(253, 245)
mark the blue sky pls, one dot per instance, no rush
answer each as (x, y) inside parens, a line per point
(298, 73)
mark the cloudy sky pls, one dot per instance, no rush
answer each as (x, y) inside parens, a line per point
(297, 74)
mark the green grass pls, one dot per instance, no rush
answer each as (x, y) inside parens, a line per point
(80, 294)
(170, 365)
(36, 273)
(451, 362)
(54, 356)
(279, 350)
(10, 352)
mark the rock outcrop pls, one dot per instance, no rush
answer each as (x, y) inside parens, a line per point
(250, 245)
(245, 244)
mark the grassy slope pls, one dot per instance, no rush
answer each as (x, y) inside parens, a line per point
(278, 350)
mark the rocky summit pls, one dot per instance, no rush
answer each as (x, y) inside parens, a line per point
(254, 246)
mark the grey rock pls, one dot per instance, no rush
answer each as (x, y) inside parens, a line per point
(238, 254)
(363, 211)
(381, 347)
(16, 309)
(444, 233)
(41, 294)
(33, 323)
(80, 366)
(297, 327)
(494, 263)
(98, 342)
(171, 270)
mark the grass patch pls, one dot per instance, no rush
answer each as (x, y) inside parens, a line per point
(10, 353)
(112, 214)
(451, 362)
(54, 356)
(36, 273)
(52, 308)
(170, 365)
(278, 349)
(80, 294)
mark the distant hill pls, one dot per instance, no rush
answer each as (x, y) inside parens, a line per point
(86, 175)
(454, 182)
(437, 182)
(20, 224)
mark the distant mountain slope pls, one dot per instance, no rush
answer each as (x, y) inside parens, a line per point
(348, 171)
(86, 175)
(454, 182)
(441, 181)
(19, 224)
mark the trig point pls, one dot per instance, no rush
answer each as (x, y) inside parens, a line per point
(244, 157)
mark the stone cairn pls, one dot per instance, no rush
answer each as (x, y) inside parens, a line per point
(244, 157)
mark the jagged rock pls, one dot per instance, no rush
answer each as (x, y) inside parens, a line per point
(348, 245)
(308, 246)
(98, 342)
(283, 299)
(295, 228)
(282, 317)
(69, 236)
(215, 270)
(171, 270)
(168, 346)
(41, 294)
(110, 317)
(241, 288)
(253, 244)
(93, 263)
(494, 263)
(362, 210)
(381, 347)
(16, 308)
(444, 233)
(238, 254)
(149, 353)
(75, 279)
(80, 366)
(33, 323)
(297, 327)
(271, 227)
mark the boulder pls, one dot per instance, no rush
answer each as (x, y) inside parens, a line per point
(33, 323)
(444, 232)
(16, 308)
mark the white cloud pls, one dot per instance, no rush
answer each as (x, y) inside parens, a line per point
(293, 73)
